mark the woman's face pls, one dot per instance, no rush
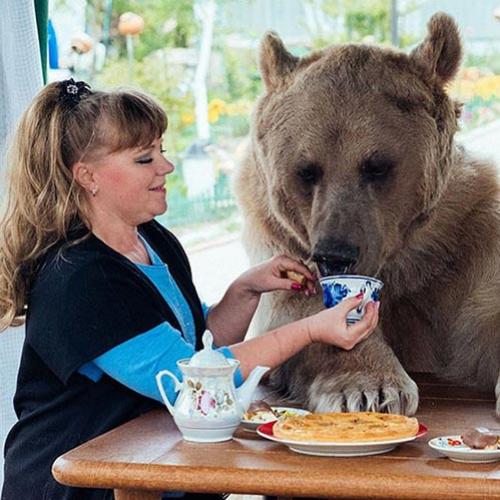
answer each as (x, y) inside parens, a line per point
(131, 184)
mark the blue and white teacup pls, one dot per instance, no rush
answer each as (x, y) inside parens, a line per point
(337, 288)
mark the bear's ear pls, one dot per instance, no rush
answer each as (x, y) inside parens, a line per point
(276, 63)
(439, 55)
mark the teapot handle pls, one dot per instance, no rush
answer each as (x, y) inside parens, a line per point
(159, 383)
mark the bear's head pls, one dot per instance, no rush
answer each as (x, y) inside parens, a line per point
(352, 146)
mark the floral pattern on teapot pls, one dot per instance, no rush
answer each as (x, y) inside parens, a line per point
(206, 402)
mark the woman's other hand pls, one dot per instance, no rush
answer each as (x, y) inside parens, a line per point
(271, 275)
(330, 325)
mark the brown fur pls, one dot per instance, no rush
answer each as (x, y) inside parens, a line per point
(429, 227)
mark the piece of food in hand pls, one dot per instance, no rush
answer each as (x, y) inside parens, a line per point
(297, 277)
(259, 411)
(346, 427)
(481, 438)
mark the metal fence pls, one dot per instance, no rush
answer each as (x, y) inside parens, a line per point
(184, 211)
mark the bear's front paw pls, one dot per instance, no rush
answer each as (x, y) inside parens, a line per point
(360, 391)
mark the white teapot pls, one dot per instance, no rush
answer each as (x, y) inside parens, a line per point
(208, 407)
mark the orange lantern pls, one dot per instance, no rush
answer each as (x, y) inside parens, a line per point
(81, 43)
(130, 24)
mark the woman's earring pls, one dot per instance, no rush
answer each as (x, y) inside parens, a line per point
(94, 190)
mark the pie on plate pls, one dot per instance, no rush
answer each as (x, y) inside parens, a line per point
(338, 448)
(346, 427)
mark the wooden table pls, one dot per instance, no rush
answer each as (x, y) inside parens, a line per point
(147, 455)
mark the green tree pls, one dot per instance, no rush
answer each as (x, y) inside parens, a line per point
(178, 32)
(242, 77)
(362, 18)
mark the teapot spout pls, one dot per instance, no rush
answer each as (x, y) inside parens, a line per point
(246, 390)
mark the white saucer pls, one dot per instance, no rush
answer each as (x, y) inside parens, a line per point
(454, 448)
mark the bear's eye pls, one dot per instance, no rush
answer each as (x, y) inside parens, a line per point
(376, 168)
(309, 173)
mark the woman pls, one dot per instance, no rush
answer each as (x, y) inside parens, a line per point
(106, 291)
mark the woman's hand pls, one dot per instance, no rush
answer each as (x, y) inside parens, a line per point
(271, 275)
(330, 327)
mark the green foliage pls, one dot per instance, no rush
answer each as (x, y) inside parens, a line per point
(487, 62)
(361, 24)
(362, 18)
(172, 86)
(204, 208)
(155, 77)
(155, 14)
(407, 41)
(242, 77)
(175, 184)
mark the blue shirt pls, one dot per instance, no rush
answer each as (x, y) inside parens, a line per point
(136, 362)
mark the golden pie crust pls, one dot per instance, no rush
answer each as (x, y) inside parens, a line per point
(345, 427)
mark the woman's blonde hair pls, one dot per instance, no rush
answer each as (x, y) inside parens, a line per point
(43, 201)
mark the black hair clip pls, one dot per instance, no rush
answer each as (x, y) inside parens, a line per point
(71, 92)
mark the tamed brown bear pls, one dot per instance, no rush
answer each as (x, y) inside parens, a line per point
(353, 164)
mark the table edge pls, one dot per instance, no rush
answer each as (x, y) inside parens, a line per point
(82, 473)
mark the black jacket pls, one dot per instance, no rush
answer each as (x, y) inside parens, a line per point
(86, 299)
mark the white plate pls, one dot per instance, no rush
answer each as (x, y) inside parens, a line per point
(356, 449)
(251, 425)
(460, 452)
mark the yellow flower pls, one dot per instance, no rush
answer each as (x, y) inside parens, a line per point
(187, 118)
(218, 105)
(213, 115)
(486, 87)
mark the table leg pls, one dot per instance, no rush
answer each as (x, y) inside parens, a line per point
(305, 498)
(137, 495)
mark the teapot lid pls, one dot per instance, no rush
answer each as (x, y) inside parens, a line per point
(208, 356)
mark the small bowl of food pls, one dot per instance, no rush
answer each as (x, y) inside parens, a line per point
(260, 412)
(477, 444)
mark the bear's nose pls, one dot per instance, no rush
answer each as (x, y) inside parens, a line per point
(335, 257)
